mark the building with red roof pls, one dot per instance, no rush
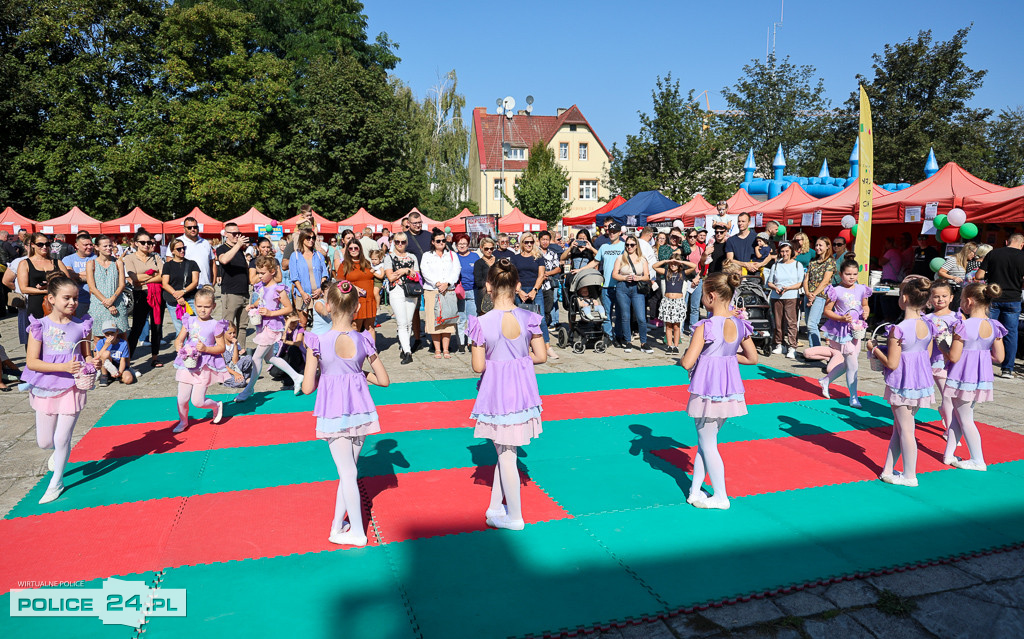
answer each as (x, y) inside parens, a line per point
(568, 134)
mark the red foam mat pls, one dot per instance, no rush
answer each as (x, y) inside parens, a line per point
(267, 430)
(410, 508)
(790, 463)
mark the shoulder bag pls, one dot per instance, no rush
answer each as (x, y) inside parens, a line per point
(642, 286)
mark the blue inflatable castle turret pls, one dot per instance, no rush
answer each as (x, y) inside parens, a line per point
(823, 173)
(749, 167)
(854, 162)
(931, 167)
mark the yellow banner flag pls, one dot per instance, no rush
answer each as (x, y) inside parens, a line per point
(865, 181)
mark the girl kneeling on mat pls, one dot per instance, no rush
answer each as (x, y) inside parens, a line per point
(719, 345)
(200, 361)
(345, 412)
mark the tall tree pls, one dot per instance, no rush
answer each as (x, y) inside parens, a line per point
(680, 150)
(1007, 140)
(776, 102)
(540, 193)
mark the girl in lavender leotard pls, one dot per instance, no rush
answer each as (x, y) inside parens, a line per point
(909, 383)
(207, 336)
(846, 304)
(345, 412)
(719, 344)
(944, 318)
(506, 343)
(56, 350)
(977, 343)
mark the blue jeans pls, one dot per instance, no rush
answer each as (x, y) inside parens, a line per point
(630, 300)
(610, 300)
(814, 314)
(171, 312)
(467, 309)
(1008, 314)
(694, 315)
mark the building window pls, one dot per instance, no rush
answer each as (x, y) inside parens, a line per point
(565, 193)
(588, 189)
(563, 150)
(516, 153)
(515, 185)
(583, 151)
(572, 127)
(499, 187)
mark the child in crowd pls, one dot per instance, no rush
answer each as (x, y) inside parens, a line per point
(719, 344)
(977, 344)
(762, 253)
(112, 351)
(291, 350)
(58, 345)
(200, 346)
(240, 366)
(591, 308)
(321, 316)
(673, 304)
(345, 412)
(943, 317)
(377, 266)
(506, 343)
(909, 383)
(271, 304)
(847, 304)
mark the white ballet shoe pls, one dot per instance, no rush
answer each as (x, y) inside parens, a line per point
(348, 538)
(298, 384)
(823, 382)
(49, 461)
(345, 527)
(218, 413)
(503, 521)
(899, 479)
(491, 513)
(51, 494)
(700, 495)
(713, 503)
(241, 397)
(854, 402)
(950, 461)
(969, 464)
(180, 427)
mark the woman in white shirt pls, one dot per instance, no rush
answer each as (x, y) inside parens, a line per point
(441, 270)
(784, 280)
(399, 265)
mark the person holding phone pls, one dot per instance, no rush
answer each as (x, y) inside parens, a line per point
(233, 267)
(580, 252)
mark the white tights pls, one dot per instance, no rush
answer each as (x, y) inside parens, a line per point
(844, 360)
(261, 355)
(963, 425)
(195, 393)
(903, 441)
(708, 460)
(505, 486)
(945, 405)
(345, 451)
(54, 431)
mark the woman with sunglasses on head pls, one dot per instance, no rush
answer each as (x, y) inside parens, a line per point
(630, 270)
(441, 270)
(32, 273)
(143, 269)
(357, 270)
(399, 265)
(179, 279)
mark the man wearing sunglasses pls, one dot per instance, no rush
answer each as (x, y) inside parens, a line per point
(605, 261)
(75, 263)
(199, 251)
(713, 260)
(234, 281)
(839, 252)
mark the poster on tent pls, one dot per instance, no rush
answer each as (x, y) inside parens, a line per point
(275, 234)
(816, 218)
(806, 219)
(931, 209)
(912, 214)
(758, 220)
(699, 222)
(480, 226)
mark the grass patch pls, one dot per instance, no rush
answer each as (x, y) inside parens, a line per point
(894, 605)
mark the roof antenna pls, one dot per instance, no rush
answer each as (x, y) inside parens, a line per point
(777, 25)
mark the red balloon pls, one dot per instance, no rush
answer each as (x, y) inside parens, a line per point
(846, 235)
(949, 234)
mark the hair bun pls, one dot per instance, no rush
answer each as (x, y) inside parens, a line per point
(345, 286)
(735, 279)
(993, 291)
(505, 262)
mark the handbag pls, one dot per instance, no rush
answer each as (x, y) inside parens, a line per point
(446, 309)
(411, 288)
(642, 286)
(533, 307)
(460, 292)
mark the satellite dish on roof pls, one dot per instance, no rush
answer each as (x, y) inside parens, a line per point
(499, 110)
(529, 99)
(509, 103)
(497, 102)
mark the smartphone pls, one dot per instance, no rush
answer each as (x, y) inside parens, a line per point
(580, 243)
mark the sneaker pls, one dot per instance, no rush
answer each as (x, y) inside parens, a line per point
(777, 350)
(1006, 374)
(406, 358)
(104, 380)
(644, 348)
(791, 354)
(627, 347)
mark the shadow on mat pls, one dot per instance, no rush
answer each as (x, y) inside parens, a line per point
(485, 458)
(832, 442)
(377, 472)
(646, 443)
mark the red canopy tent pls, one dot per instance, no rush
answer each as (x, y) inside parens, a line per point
(948, 187)
(207, 225)
(998, 207)
(517, 222)
(834, 207)
(132, 222)
(458, 223)
(741, 199)
(249, 221)
(586, 219)
(320, 223)
(428, 224)
(697, 207)
(71, 222)
(775, 208)
(362, 219)
(11, 220)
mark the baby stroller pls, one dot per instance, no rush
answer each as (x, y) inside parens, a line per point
(582, 302)
(752, 297)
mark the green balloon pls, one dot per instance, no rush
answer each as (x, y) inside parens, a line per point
(853, 229)
(781, 232)
(936, 264)
(941, 222)
(969, 231)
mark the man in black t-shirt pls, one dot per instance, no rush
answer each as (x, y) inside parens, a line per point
(923, 256)
(419, 238)
(234, 280)
(713, 259)
(1005, 267)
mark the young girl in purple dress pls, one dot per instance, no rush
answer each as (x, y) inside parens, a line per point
(507, 342)
(719, 345)
(206, 336)
(58, 345)
(943, 317)
(273, 306)
(977, 343)
(909, 383)
(345, 412)
(845, 305)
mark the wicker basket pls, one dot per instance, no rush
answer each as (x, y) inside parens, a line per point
(858, 333)
(190, 362)
(876, 364)
(86, 382)
(255, 319)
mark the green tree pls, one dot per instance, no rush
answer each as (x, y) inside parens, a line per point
(1006, 137)
(540, 192)
(776, 102)
(680, 151)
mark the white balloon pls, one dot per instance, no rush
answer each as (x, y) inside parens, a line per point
(848, 221)
(158, 237)
(678, 224)
(956, 217)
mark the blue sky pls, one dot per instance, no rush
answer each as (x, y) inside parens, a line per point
(604, 56)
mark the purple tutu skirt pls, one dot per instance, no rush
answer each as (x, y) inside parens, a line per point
(700, 407)
(896, 399)
(362, 430)
(70, 402)
(267, 337)
(509, 434)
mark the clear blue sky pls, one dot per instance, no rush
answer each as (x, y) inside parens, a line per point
(604, 56)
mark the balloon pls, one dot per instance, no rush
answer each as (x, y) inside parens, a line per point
(158, 237)
(447, 230)
(941, 222)
(848, 221)
(956, 217)
(275, 224)
(853, 229)
(846, 235)
(969, 231)
(678, 224)
(781, 233)
(949, 234)
(936, 264)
